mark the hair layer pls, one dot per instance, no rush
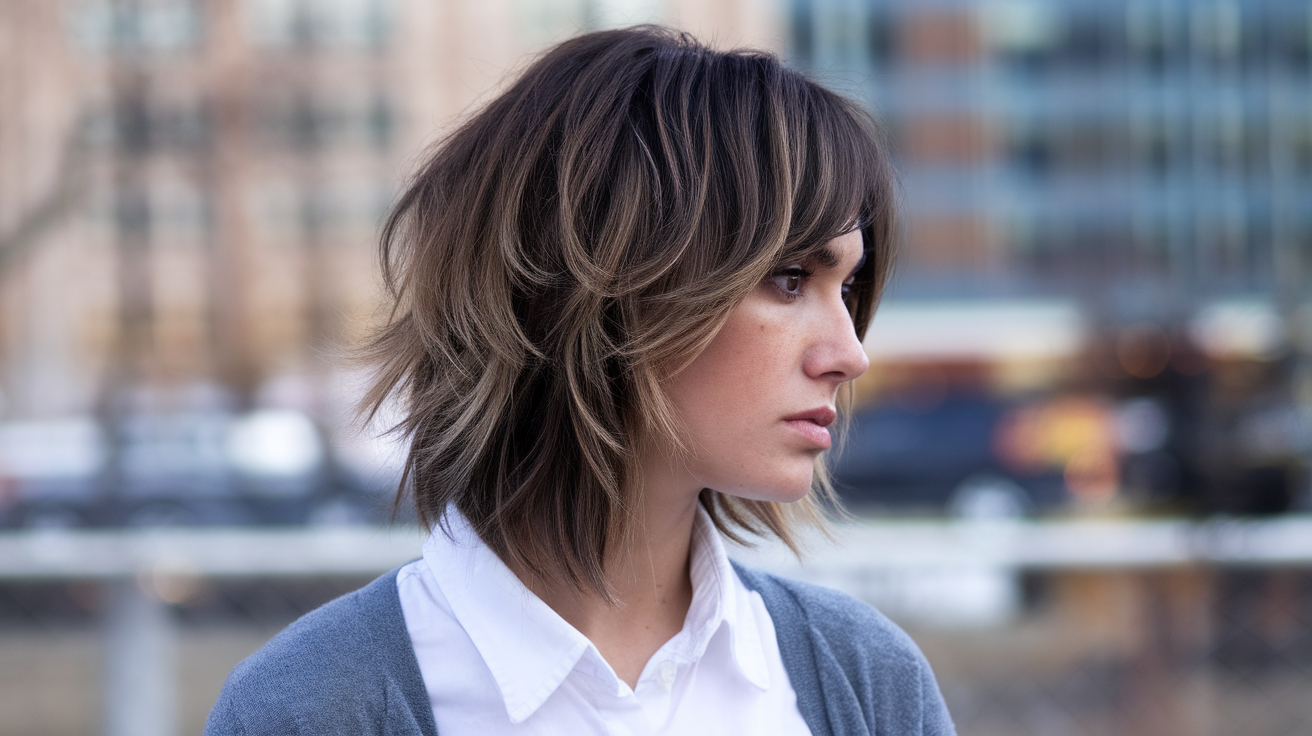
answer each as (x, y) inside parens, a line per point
(573, 245)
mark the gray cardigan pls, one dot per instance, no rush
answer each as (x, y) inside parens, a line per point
(349, 668)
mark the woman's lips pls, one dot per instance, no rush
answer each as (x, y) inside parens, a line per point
(812, 424)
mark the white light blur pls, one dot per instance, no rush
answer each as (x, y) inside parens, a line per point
(72, 447)
(274, 442)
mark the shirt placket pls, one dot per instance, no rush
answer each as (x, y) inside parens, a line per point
(655, 693)
(623, 715)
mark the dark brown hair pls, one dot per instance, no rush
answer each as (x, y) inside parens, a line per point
(577, 242)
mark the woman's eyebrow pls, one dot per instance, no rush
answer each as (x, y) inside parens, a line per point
(825, 256)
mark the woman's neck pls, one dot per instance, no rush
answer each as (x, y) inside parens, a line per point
(649, 578)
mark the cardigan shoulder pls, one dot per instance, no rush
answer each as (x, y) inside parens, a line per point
(866, 672)
(856, 632)
(345, 667)
(348, 667)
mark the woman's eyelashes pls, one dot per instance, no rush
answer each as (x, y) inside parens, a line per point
(790, 281)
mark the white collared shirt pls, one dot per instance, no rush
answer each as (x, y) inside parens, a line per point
(497, 660)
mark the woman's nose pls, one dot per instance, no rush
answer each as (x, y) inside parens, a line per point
(837, 353)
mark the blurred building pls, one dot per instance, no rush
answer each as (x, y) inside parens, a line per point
(1142, 154)
(1146, 164)
(189, 196)
(190, 190)
(212, 172)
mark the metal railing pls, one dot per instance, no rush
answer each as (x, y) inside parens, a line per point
(931, 575)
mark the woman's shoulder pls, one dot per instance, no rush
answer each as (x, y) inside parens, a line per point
(825, 635)
(838, 618)
(345, 662)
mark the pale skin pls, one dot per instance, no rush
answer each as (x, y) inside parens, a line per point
(783, 352)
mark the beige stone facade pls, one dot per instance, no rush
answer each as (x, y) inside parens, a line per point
(189, 189)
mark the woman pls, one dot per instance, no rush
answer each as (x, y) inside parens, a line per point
(628, 296)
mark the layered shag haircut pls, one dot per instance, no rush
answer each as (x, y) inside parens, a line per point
(569, 248)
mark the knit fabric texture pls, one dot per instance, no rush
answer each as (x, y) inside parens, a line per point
(348, 667)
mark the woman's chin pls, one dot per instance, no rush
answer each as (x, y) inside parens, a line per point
(791, 497)
(778, 493)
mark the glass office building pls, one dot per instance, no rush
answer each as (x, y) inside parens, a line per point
(1144, 156)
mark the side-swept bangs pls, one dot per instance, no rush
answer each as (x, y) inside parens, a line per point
(572, 246)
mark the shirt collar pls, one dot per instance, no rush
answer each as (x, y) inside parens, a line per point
(527, 646)
(530, 649)
(720, 599)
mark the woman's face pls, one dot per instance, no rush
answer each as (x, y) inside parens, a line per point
(757, 401)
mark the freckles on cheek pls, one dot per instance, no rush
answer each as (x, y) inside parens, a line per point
(753, 350)
(771, 337)
(743, 364)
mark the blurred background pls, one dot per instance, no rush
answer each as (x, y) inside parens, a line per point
(1079, 463)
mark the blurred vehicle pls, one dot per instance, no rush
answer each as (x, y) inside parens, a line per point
(267, 466)
(1202, 416)
(49, 471)
(950, 424)
(944, 457)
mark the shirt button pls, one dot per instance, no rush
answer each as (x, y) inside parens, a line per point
(668, 670)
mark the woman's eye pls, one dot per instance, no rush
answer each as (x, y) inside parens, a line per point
(790, 280)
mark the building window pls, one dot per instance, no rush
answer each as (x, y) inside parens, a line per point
(156, 25)
(311, 23)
